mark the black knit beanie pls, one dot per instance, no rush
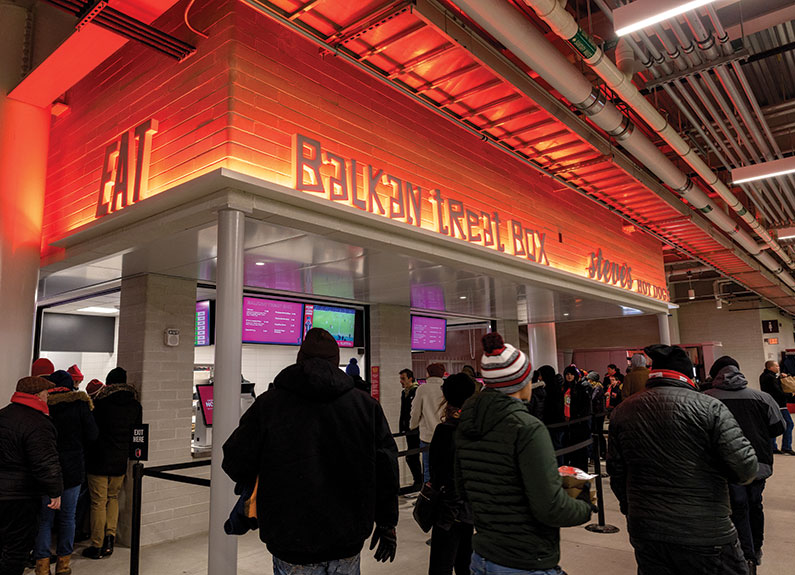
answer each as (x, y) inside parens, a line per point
(457, 388)
(320, 344)
(116, 375)
(670, 357)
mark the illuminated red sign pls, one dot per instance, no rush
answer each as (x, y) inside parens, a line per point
(406, 200)
(602, 269)
(125, 170)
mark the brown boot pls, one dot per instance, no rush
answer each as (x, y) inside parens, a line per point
(43, 566)
(62, 567)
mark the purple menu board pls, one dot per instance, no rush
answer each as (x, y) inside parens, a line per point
(203, 323)
(272, 321)
(428, 333)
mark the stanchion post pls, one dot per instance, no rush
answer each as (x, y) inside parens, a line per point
(135, 536)
(600, 526)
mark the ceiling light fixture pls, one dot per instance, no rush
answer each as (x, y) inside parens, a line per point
(94, 309)
(462, 297)
(565, 315)
(644, 13)
(260, 263)
(691, 293)
(763, 170)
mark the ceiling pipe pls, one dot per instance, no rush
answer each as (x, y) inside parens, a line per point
(564, 25)
(655, 58)
(707, 43)
(522, 38)
(687, 51)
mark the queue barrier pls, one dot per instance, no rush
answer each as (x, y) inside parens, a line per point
(166, 472)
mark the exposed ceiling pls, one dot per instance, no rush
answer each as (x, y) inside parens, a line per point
(486, 90)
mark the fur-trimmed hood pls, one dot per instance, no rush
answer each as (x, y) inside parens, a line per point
(113, 388)
(69, 397)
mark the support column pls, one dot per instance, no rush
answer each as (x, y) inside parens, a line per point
(665, 328)
(163, 376)
(542, 340)
(24, 141)
(509, 330)
(226, 394)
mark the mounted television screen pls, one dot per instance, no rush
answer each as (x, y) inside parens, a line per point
(205, 323)
(340, 322)
(272, 321)
(428, 333)
(80, 333)
(205, 392)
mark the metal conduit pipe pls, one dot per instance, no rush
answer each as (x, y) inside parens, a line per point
(723, 41)
(564, 25)
(655, 58)
(707, 42)
(521, 37)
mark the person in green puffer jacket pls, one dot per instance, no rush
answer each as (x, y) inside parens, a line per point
(506, 468)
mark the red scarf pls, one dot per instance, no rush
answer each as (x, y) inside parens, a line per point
(31, 401)
(669, 374)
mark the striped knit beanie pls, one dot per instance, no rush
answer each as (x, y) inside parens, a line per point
(504, 367)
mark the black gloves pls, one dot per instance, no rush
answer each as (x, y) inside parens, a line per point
(585, 495)
(386, 539)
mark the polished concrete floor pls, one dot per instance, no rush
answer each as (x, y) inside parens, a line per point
(583, 552)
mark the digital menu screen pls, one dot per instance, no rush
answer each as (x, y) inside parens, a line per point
(205, 392)
(272, 321)
(428, 333)
(338, 321)
(203, 329)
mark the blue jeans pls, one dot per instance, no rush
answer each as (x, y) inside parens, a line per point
(66, 525)
(481, 566)
(426, 462)
(786, 439)
(349, 566)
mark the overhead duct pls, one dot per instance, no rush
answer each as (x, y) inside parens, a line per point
(522, 38)
(564, 25)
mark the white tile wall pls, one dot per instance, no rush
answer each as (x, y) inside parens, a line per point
(262, 363)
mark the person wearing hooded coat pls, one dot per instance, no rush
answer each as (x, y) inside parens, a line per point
(326, 463)
(116, 411)
(553, 405)
(758, 415)
(70, 411)
(672, 452)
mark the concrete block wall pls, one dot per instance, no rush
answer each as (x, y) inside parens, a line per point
(390, 343)
(164, 378)
(738, 329)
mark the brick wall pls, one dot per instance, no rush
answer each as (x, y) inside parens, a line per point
(253, 85)
(164, 378)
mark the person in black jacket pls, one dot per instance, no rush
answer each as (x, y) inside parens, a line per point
(412, 435)
(671, 454)
(29, 469)
(770, 383)
(759, 417)
(451, 538)
(553, 406)
(116, 411)
(326, 463)
(70, 411)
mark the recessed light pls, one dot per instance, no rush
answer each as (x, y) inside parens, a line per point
(462, 297)
(566, 315)
(260, 263)
(92, 309)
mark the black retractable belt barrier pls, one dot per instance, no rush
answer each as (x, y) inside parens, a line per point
(158, 472)
(600, 526)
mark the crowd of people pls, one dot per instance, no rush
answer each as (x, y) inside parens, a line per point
(316, 464)
(63, 459)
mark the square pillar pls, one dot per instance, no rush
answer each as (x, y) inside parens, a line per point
(163, 375)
